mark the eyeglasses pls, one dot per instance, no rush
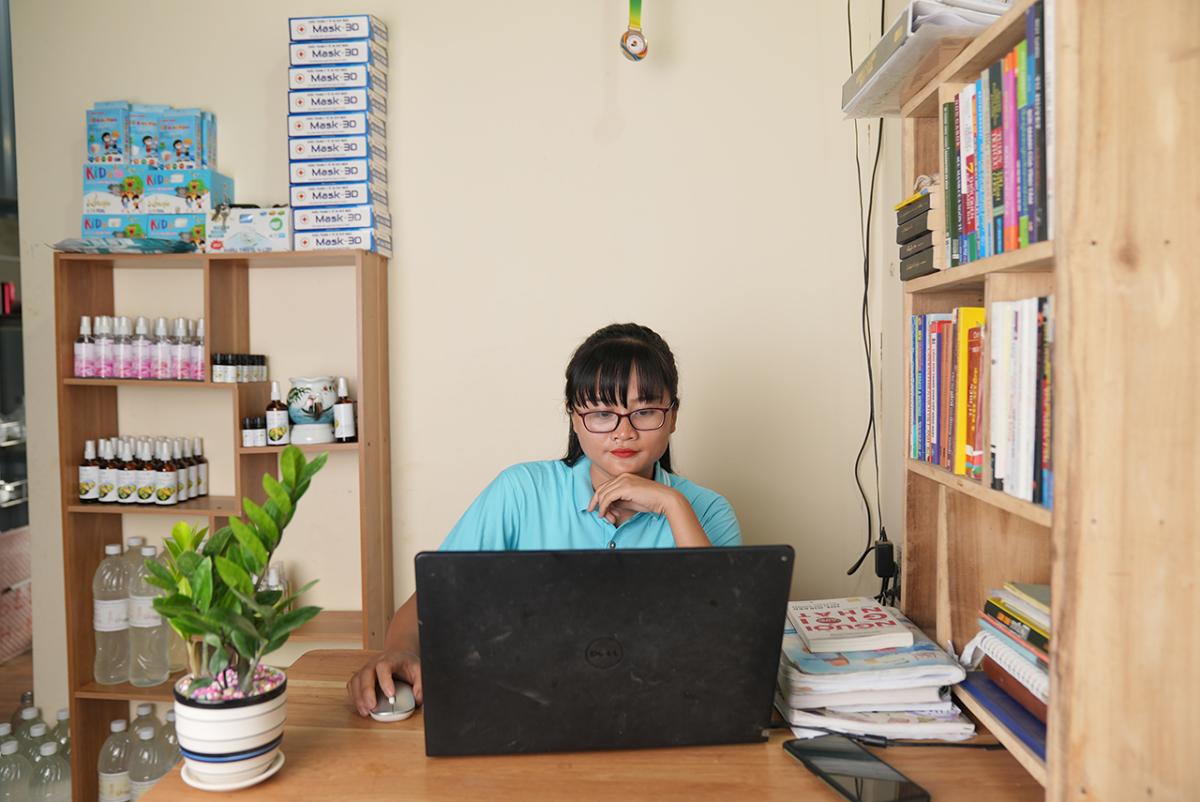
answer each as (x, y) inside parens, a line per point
(644, 420)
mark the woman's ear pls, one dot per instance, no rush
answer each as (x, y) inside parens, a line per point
(674, 413)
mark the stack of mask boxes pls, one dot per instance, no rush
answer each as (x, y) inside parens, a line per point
(150, 171)
(337, 124)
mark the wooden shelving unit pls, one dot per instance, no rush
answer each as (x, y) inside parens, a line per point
(1123, 436)
(87, 410)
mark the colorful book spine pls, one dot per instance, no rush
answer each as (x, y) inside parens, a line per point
(919, 355)
(968, 140)
(1047, 468)
(945, 356)
(1024, 149)
(950, 171)
(1013, 687)
(981, 156)
(935, 392)
(968, 318)
(912, 386)
(1015, 718)
(961, 174)
(996, 152)
(1039, 389)
(1011, 226)
(1016, 627)
(984, 164)
(1036, 33)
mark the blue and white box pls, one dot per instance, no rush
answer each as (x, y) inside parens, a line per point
(366, 239)
(332, 172)
(337, 147)
(185, 227)
(328, 218)
(143, 133)
(254, 230)
(327, 29)
(340, 76)
(107, 133)
(354, 51)
(344, 124)
(185, 191)
(355, 194)
(338, 100)
(131, 226)
(114, 188)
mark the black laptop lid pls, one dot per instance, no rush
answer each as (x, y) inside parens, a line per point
(574, 650)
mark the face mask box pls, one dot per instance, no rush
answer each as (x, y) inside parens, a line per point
(180, 137)
(114, 188)
(356, 194)
(143, 133)
(355, 51)
(128, 226)
(332, 172)
(185, 227)
(341, 76)
(369, 239)
(186, 191)
(250, 230)
(354, 123)
(337, 100)
(107, 133)
(308, 148)
(328, 29)
(329, 218)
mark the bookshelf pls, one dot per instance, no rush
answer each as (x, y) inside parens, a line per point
(87, 409)
(1122, 534)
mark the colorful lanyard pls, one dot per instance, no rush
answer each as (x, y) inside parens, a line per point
(633, 43)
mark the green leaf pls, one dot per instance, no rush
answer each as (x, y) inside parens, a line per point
(252, 546)
(184, 629)
(291, 463)
(285, 602)
(290, 621)
(162, 573)
(184, 536)
(300, 490)
(172, 549)
(212, 639)
(188, 562)
(267, 528)
(216, 544)
(197, 684)
(268, 597)
(235, 622)
(234, 575)
(218, 662)
(274, 644)
(202, 585)
(246, 645)
(174, 605)
(310, 470)
(267, 614)
(277, 493)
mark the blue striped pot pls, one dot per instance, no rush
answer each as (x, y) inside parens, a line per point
(233, 741)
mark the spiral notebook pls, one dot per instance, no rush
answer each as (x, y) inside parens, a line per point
(1034, 678)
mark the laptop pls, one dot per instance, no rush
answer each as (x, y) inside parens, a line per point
(548, 651)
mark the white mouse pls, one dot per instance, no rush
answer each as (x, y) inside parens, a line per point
(394, 708)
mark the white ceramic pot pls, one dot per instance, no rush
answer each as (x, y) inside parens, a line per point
(233, 741)
(311, 400)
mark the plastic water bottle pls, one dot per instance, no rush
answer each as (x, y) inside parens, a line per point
(147, 630)
(15, 773)
(34, 738)
(113, 764)
(26, 701)
(51, 777)
(146, 766)
(29, 717)
(110, 617)
(169, 741)
(145, 718)
(62, 733)
(133, 553)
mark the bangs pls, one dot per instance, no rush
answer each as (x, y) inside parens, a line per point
(601, 377)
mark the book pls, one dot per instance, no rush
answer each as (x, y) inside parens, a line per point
(967, 122)
(855, 623)
(1036, 596)
(1024, 143)
(960, 179)
(945, 356)
(1000, 322)
(1034, 678)
(1016, 632)
(978, 104)
(950, 171)
(800, 697)
(1034, 20)
(967, 318)
(1026, 651)
(1016, 719)
(917, 265)
(984, 165)
(1046, 463)
(899, 724)
(912, 206)
(1020, 694)
(915, 246)
(974, 453)
(912, 228)
(942, 706)
(1022, 624)
(919, 409)
(996, 153)
(1021, 608)
(1039, 389)
(1009, 122)
(922, 664)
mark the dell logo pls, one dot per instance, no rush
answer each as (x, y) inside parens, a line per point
(603, 653)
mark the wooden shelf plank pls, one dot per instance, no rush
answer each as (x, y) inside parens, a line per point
(1037, 257)
(332, 626)
(150, 261)
(989, 47)
(205, 385)
(312, 448)
(1015, 746)
(209, 505)
(1034, 513)
(126, 692)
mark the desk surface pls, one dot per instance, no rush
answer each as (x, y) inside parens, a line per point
(333, 754)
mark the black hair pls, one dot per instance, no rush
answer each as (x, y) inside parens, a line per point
(600, 369)
(177, 142)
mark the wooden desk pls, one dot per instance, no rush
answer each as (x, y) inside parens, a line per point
(332, 754)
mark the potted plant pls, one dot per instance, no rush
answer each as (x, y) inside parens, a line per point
(230, 707)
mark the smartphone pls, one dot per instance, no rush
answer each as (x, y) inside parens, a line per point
(854, 772)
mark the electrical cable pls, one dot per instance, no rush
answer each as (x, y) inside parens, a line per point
(883, 742)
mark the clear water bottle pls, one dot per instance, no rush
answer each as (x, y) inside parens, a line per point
(15, 773)
(113, 764)
(145, 718)
(34, 738)
(148, 642)
(110, 617)
(169, 741)
(26, 701)
(62, 733)
(133, 553)
(29, 717)
(51, 777)
(146, 766)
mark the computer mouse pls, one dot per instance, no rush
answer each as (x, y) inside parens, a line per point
(394, 708)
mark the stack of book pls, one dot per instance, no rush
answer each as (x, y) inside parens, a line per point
(947, 353)
(1012, 650)
(915, 234)
(995, 153)
(1022, 344)
(853, 666)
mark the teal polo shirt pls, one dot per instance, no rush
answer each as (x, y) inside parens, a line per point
(543, 506)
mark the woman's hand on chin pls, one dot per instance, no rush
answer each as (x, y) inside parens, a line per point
(629, 492)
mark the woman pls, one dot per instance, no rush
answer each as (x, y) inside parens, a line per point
(613, 489)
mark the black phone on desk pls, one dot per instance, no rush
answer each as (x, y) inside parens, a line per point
(854, 772)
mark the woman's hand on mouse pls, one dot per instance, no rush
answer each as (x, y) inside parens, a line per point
(398, 662)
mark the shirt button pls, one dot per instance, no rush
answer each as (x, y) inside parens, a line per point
(612, 544)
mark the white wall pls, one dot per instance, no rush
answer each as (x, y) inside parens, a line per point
(542, 186)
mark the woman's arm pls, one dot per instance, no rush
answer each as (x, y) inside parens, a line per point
(639, 494)
(401, 656)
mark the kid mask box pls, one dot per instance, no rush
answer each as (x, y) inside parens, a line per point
(185, 227)
(114, 188)
(107, 133)
(185, 191)
(129, 226)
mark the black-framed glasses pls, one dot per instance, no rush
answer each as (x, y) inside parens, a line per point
(644, 420)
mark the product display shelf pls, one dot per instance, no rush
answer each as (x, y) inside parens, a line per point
(87, 409)
(315, 448)
(1123, 477)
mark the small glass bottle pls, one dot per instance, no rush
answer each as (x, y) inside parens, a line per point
(181, 352)
(123, 367)
(162, 350)
(193, 469)
(260, 432)
(85, 350)
(343, 415)
(89, 474)
(127, 475)
(201, 467)
(147, 474)
(278, 426)
(182, 486)
(143, 350)
(248, 432)
(109, 466)
(198, 345)
(104, 347)
(166, 483)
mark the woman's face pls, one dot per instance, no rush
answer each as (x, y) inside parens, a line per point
(625, 449)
